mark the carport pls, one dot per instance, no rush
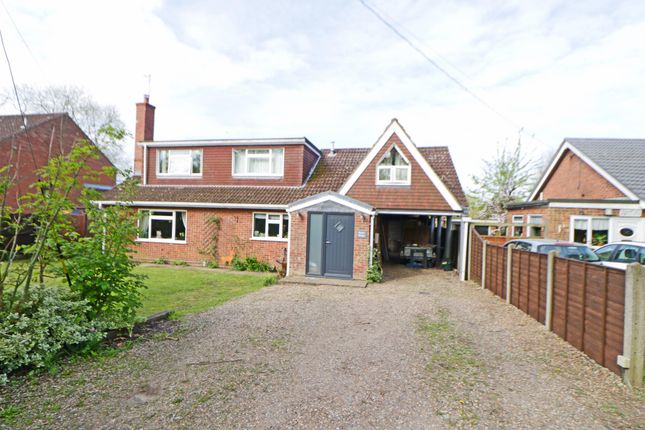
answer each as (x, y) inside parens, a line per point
(418, 239)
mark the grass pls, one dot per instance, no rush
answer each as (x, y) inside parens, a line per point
(186, 291)
(454, 366)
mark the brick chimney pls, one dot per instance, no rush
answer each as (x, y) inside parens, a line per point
(144, 131)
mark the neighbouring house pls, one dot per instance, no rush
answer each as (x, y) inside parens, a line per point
(285, 201)
(27, 144)
(592, 192)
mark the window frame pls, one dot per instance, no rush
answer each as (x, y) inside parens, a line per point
(280, 223)
(589, 236)
(392, 169)
(530, 226)
(164, 218)
(518, 227)
(246, 173)
(183, 175)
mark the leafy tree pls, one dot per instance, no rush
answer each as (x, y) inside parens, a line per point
(507, 178)
(101, 265)
(90, 115)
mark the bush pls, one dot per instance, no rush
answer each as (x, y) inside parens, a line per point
(250, 264)
(49, 321)
(179, 263)
(375, 271)
(160, 260)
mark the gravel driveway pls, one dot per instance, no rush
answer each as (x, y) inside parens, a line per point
(420, 351)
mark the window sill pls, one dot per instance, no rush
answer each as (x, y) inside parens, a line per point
(263, 177)
(393, 184)
(270, 239)
(171, 241)
(162, 176)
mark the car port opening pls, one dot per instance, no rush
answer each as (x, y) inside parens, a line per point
(417, 241)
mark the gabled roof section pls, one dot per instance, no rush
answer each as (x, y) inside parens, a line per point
(11, 125)
(332, 196)
(395, 128)
(619, 161)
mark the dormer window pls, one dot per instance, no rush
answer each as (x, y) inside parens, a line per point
(179, 162)
(393, 169)
(258, 162)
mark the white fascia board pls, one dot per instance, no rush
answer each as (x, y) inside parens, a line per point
(395, 127)
(595, 205)
(334, 199)
(413, 212)
(192, 205)
(567, 146)
(234, 142)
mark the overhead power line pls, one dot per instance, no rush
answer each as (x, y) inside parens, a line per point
(438, 66)
(15, 90)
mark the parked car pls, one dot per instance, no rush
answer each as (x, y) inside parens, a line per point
(620, 254)
(573, 250)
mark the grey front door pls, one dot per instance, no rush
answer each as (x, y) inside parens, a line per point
(339, 245)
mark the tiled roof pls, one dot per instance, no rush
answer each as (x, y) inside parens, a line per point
(12, 124)
(330, 174)
(624, 159)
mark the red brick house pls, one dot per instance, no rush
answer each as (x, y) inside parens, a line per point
(592, 192)
(27, 146)
(319, 211)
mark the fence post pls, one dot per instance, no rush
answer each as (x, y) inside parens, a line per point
(550, 273)
(484, 243)
(634, 329)
(509, 272)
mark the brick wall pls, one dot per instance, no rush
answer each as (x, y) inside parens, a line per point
(557, 220)
(298, 259)
(574, 179)
(217, 167)
(420, 194)
(234, 237)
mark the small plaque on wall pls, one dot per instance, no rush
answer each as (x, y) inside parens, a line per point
(362, 234)
(630, 212)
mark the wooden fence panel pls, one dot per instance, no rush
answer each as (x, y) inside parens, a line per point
(496, 270)
(588, 300)
(476, 257)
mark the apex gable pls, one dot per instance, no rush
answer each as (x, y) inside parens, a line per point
(394, 174)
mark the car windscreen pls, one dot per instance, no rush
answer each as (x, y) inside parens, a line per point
(570, 251)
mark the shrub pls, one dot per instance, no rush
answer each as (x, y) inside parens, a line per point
(250, 264)
(212, 264)
(375, 271)
(50, 320)
(101, 267)
(160, 260)
(179, 263)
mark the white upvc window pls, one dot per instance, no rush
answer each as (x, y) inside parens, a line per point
(270, 226)
(179, 162)
(535, 230)
(593, 231)
(158, 225)
(258, 162)
(393, 169)
(518, 230)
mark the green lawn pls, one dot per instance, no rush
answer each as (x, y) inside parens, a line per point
(187, 291)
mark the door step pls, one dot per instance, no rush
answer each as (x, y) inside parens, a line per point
(306, 280)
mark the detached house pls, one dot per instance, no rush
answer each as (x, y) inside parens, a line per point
(283, 200)
(28, 145)
(593, 192)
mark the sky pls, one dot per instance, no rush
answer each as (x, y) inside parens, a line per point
(331, 71)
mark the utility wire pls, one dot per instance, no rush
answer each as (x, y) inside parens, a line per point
(22, 113)
(24, 41)
(437, 65)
